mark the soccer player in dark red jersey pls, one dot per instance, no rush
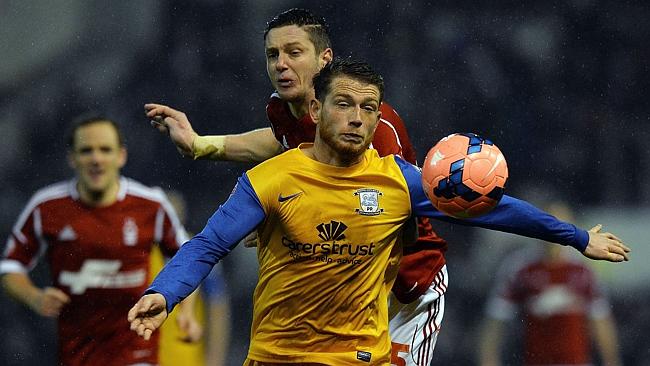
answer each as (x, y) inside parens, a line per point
(562, 307)
(297, 46)
(97, 231)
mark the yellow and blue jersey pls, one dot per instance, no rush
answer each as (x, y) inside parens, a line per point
(327, 258)
(329, 249)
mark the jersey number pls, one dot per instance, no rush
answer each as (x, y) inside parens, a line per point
(395, 358)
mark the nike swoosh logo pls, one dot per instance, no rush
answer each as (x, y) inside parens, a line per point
(494, 166)
(286, 198)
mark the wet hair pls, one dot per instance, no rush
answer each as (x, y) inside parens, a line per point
(87, 119)
(355, 69)
(314, 25)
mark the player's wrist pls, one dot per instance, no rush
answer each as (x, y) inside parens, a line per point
(581, 240)
(35, 298)
(209, 147)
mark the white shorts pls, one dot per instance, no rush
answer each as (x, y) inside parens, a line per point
(414, 327)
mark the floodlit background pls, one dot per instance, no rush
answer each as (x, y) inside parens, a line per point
(560, 86)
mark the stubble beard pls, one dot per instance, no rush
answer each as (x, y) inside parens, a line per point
(348, 153)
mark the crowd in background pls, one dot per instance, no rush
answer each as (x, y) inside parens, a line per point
(559, 86)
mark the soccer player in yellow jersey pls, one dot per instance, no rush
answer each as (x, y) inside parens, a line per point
(329, 217)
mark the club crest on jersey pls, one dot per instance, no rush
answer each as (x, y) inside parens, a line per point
(368, 202)
(129, 232)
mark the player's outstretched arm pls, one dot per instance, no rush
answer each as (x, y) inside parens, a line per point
(253, 146)
(148, 314)
(606, 246)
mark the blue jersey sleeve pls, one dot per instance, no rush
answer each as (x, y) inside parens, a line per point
(235, 219)
(511, 215)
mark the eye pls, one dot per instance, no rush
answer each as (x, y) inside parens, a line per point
(271, 54)
(296, 53)
(370, 107)
(342, 103)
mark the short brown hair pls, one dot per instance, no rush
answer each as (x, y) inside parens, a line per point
(88, 119)
(355, 69)
(315, 26)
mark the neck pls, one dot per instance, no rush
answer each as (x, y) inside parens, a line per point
(300, 108)
(99, 198)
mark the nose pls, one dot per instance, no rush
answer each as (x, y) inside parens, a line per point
(355, 117)
(281, 63)
(95, 156)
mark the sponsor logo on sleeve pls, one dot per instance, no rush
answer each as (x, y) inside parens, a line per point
(364, 356)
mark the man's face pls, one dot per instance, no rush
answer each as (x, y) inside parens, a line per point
(97, 157)
(348, 117)
(292, 62)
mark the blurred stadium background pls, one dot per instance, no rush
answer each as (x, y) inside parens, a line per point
(560, 86)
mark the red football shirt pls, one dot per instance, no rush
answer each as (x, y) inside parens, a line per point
(99, 256)
(422, 261)
(556, 301)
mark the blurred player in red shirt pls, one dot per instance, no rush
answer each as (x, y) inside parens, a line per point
(97, 232)
(562, 307)
(297, 46)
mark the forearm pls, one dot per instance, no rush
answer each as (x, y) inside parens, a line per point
(20, 287)
(218, 336)
(510, 215)
(253, 146)
(241, 213)
(186, 270)
(606, 340)
(189, 303)
(520, 217)
(490, 343)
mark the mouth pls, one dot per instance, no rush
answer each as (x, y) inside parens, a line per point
(352, 137)
(285, 83)
(96, 174)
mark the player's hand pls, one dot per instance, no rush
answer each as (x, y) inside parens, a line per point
(148, 314)
(191, 329)
(606, 246)
(250, 240)
(173, 123)
(49, 302)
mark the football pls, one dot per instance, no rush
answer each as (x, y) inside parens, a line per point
(464, 175)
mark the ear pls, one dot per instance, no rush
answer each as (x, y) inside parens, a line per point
(325, 57)
(314, 110)
(122, 157)
(376, 123)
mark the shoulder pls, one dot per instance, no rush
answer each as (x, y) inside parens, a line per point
(275, 103)
(394, 166)
(134, 188)
(277, 165)
(406, 167)
(50, 193)
(51, 198)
